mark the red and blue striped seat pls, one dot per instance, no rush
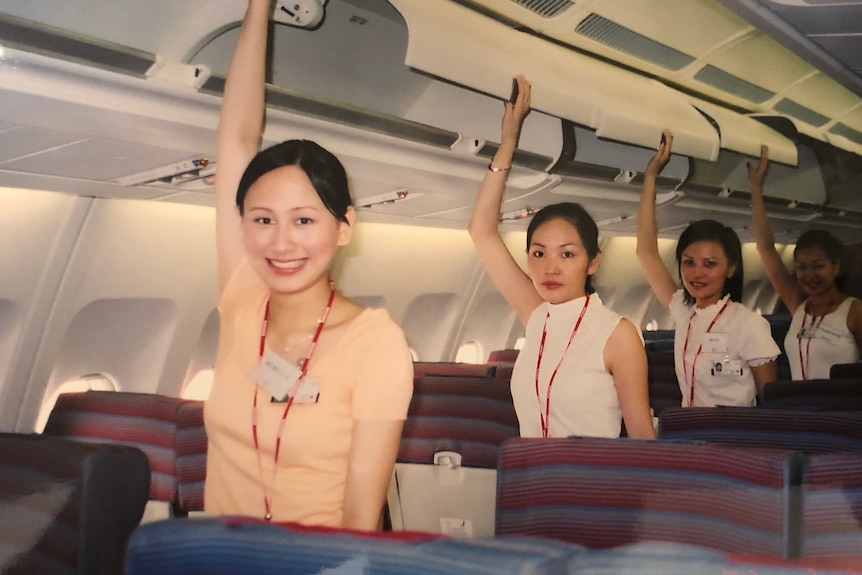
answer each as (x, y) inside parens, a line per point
(609, 492)
(166, 429)
(809, 432)
(446, 468)
(832, 521)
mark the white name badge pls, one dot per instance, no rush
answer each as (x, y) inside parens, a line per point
(715, 343)
(276, 375)
(727, 368)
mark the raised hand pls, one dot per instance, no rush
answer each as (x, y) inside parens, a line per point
(662, 155)
(758, 174)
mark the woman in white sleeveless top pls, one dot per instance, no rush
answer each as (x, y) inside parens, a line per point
(827, 324)
(583, 367)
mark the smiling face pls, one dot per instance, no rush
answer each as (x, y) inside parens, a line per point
(815, 272)
(558, 262)
(289, 235)
(704, 268)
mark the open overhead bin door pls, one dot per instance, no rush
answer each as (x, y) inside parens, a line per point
(468, 48)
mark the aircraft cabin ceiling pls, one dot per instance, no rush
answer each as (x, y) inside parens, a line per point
(120, 98)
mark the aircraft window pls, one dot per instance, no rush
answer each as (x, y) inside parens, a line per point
(199, 374)
(519, 344)
(200, 385)
(94, 381)
(10, 330)
(130, 338)
(428, 321)
(488, 325)
(470, 352)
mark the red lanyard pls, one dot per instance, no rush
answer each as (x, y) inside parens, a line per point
(699, 348)
(545, 417)
(807, 360)
(267, 502)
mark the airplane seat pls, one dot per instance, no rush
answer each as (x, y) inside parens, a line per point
(809, 432)
(230, 545)
(664, 389)
(445, 474)
(846, 371)
(814, 394)
(143, 420)
(191, 452)
(452, 368)
(504, 372)
(503, 356)
(601, 493)
(66, 507)
(832, 519)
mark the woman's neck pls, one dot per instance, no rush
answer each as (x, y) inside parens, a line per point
(298, 311)
(823, 303)
(706, 302)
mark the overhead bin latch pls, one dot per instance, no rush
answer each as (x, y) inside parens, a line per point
(192, 75)
(299, 13)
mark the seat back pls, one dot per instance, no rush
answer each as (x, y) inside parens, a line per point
(143, 420)
(68, 507)
(814, 394)
(227, 546)
(451, 368)
(503, 356)
(191, 454)
(445, 475)
(833, 506)
(602, 492)
(661, 377)
(846, 371)
(809, 432)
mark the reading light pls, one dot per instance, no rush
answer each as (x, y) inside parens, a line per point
(518, 214)
(384, 198)
(167, 172)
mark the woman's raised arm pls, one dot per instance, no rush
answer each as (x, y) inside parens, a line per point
(513, 283)
(782, 280)
(661, 282)
(239, 131)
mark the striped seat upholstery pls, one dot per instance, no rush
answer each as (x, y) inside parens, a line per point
(446, 468)
(469, 415)
(67, 507)
(227, 546)
(607, 492)
(833, 506)
(191, 453)
(143, 420)
(809, 432)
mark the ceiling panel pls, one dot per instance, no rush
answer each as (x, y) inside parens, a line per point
(117, 159)
(21, 141)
